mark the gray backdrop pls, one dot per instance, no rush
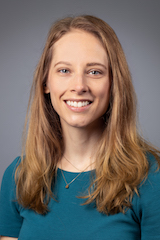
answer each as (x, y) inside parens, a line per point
(24, 25)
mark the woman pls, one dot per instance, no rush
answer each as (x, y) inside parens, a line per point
(86, 173)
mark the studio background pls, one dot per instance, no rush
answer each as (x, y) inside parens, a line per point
(23, 29)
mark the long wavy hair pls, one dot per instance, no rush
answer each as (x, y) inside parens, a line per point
(121, 158)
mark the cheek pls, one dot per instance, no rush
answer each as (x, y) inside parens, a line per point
(56, 92)
(55, 100)
(105, 97)
(104, 92)
(52, 91)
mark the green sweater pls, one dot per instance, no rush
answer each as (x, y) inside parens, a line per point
(68, 219)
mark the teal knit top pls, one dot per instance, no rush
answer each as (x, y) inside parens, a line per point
(68, 219)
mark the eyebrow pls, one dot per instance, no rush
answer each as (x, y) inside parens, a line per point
(95, 64)
(88, 64)
(62, 62)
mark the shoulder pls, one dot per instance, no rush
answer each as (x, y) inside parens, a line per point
(146, 205)
(8, 186)
(9, 207)
(153, 164)
(12, 167)
(149, 189)
(154, 171)
(8, 177)
(152, 182)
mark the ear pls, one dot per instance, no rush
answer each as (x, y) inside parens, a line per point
(46, 89)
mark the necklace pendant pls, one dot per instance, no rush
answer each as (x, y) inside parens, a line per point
(67, 186)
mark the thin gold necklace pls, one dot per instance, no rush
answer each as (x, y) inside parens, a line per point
(68, 184)
(71, 164)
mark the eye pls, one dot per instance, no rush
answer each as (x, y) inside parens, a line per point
(63, 70)
(95, 72)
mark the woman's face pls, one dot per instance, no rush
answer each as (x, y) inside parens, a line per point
(78, 80)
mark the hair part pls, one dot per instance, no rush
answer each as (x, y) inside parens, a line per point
(121, 159)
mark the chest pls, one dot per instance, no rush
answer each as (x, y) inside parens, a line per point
(69, 219)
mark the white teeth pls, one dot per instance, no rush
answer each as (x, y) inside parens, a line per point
(80, 104)
(77, 104)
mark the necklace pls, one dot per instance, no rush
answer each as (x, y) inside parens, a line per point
(67, 184)
(72, 164)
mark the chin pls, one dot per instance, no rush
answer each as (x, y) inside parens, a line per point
(79, 125)
(96, 124)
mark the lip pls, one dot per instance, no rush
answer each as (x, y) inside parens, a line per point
(78, 100)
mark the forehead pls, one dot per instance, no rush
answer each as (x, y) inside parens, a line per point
(78, 43)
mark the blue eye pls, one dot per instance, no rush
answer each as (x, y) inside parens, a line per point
(94, 72)
(64, 71)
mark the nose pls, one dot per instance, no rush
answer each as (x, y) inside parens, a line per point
(79, 84)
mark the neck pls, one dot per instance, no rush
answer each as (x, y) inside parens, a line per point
(80, 148)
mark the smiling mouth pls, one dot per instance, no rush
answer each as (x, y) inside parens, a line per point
(78, 103)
